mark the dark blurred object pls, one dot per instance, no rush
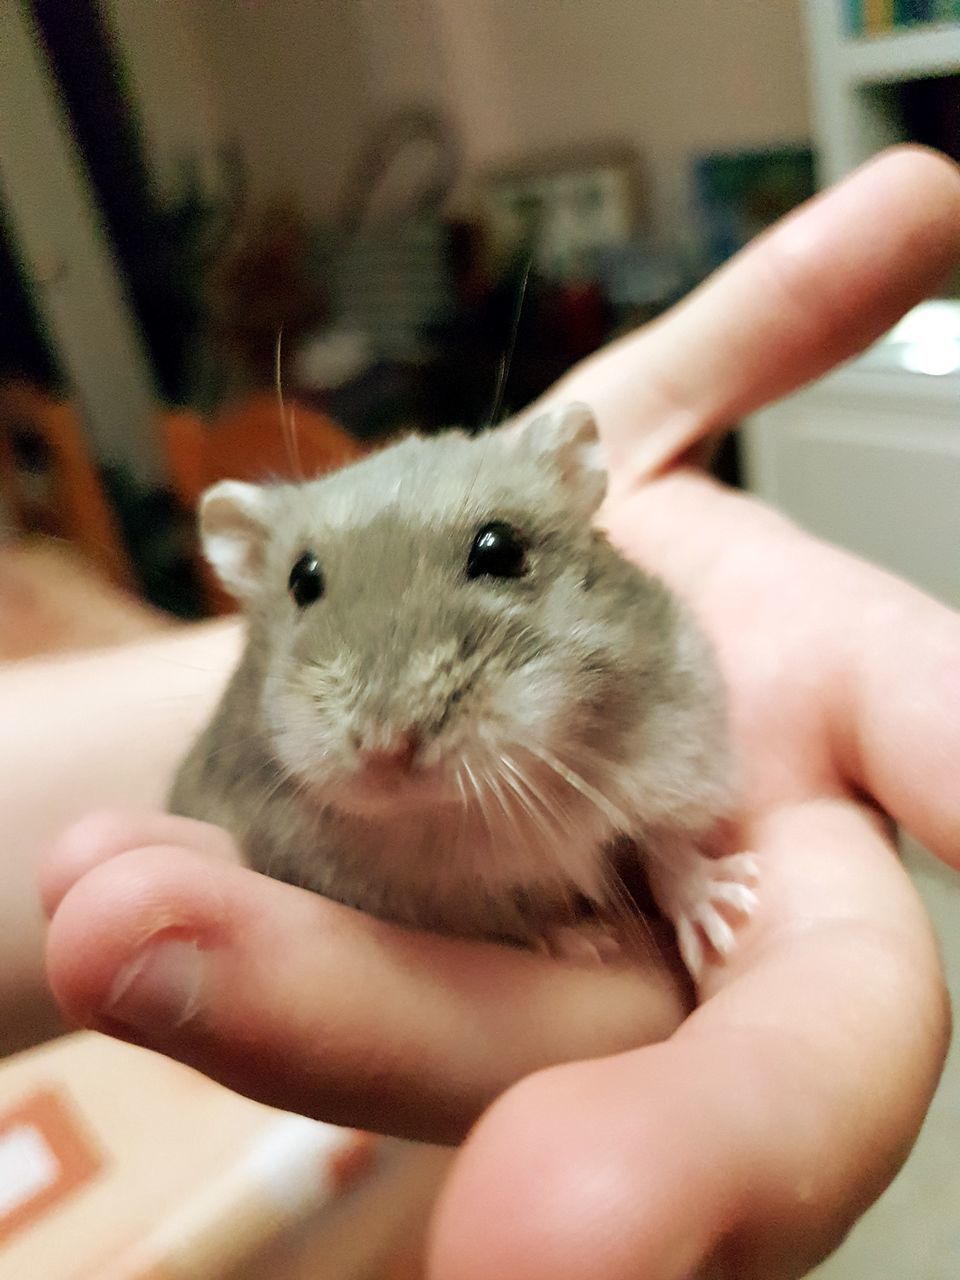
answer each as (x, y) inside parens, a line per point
(931, 116)
(385, 398)
(740, 193)
(49, 482)
(192, 229)
(726, 464)
(162, 245)
(508, 344)
(389, 283)
(263, 287)
(252, 440)
(25, 352)
(931, 113)
(160, 538)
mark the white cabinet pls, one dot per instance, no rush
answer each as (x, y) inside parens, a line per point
(869, 457)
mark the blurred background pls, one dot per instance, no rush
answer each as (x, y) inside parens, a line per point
(417, 213)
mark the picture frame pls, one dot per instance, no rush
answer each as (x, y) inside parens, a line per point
(563, 207)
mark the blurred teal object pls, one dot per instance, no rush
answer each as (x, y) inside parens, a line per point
(740, 193)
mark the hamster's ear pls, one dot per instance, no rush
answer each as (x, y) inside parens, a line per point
(566, 439)
(235, 522)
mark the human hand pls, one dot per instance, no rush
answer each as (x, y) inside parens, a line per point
(747, 1143)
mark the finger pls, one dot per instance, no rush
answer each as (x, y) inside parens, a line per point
(307, 1005)
(813, 291)
(747, 1145)
(102, 835)
(896, 704)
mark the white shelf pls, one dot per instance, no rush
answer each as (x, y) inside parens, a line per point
(856, 110)
(903, 55)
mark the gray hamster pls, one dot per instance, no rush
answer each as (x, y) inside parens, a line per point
(457, 699)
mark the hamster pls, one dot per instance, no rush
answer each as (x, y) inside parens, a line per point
(457, 699)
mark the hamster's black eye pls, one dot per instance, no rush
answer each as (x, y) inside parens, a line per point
(498, 551)
(306, 580)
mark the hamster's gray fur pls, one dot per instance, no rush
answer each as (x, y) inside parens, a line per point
(546, 714)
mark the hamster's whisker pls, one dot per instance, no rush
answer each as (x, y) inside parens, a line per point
(555, 835)
(287, 418)
(489, 777)
(530, 798)
(512, 827)
(519, 791)
(580, 784)
(264, 800)
(458, 779)
(481, 807)
(525, 782)
(633, 924)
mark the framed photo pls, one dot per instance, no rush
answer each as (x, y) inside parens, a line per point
(563, 208)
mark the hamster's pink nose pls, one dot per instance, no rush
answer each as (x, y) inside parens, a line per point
(393, 756)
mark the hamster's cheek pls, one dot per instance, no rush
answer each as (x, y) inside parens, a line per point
(530, 705)
(304, 726)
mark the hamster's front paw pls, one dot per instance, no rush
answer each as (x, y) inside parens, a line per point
(698, 894)
(588, 943)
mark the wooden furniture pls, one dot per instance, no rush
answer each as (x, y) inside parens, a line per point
(49, 483)
(254, 441)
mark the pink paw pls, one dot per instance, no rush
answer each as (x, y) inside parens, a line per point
(699, 894)
(715, 889)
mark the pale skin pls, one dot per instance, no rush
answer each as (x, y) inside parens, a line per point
(741, 1140)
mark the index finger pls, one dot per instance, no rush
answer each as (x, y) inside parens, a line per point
(815, 290)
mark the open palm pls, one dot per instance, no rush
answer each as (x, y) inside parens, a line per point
(747, 1142)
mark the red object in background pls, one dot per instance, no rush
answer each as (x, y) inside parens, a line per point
(581, 317)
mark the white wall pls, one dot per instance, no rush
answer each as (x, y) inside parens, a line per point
(672, 77)
(290, 78)
(174, 95)
(297, 79)
(403, 54)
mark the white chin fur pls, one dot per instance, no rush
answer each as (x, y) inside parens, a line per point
(502, 825)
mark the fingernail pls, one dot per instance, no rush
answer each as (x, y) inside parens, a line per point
(160, 989)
